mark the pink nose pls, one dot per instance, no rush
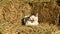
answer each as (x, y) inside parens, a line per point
(32, 20)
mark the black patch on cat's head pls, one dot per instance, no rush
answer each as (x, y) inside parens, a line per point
(23, 22)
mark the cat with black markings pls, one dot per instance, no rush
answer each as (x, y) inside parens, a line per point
(31, 20)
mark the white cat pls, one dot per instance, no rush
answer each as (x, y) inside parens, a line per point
(32, 21)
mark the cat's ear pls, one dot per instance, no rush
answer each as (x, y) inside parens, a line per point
(36, 14)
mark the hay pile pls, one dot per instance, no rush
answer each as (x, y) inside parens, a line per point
(12, 11)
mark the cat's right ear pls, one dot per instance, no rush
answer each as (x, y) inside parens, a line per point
(36, 14)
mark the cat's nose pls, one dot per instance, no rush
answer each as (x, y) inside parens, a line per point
(32, 18)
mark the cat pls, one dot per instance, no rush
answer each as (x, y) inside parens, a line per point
(31, 20)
